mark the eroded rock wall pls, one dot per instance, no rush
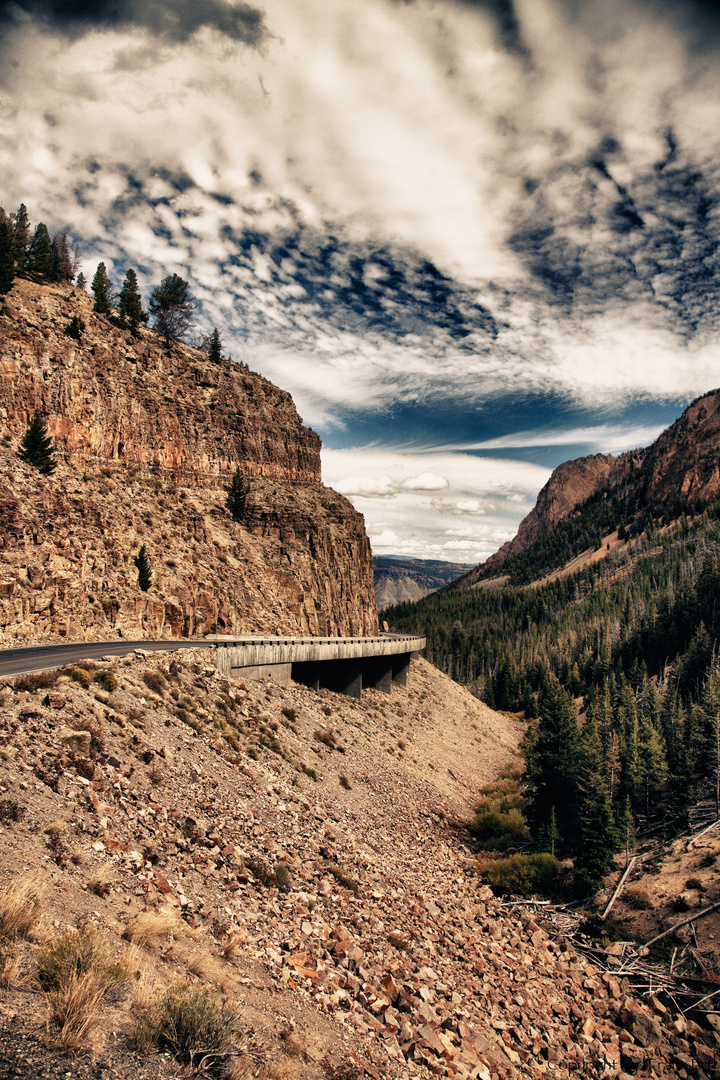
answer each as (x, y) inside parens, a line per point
(147, 443)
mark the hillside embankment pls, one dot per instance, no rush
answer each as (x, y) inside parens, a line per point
(305, 853)
(147, 442)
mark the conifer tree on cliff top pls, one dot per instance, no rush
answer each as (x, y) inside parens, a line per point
(36, 448)
(215, 353)
(172, 306)
(7, 260)
(102, 290)
(131, 309)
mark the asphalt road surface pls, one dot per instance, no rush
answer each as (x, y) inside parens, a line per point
(40, 657)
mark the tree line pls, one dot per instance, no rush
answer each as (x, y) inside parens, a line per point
(617, 670)
(34, 254)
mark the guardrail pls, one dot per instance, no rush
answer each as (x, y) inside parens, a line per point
(344, 665)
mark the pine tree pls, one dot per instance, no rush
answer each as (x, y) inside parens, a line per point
(552, 763)
(81, 282)
(21, 238)
(236, 501)
(36, 447)
(130, 306)
(102, 290)
(40, 254)
(143, 565)
(62, 259)
(7, 261)
(596, 834)
(172, 306)
(215, 353)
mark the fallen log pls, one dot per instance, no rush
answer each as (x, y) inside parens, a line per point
(619, 888)
(683, 922)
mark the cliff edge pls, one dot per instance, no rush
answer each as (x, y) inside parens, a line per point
(146, 444)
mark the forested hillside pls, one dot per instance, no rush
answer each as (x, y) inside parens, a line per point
(633, 640)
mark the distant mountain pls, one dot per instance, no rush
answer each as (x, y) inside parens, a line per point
(399, 580)
(587, 499)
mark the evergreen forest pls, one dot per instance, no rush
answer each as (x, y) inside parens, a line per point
(616, 668)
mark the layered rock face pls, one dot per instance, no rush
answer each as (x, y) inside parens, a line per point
(570, 485)
(680, 471)
(147, 443)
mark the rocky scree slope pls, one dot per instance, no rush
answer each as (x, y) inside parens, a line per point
(305, 853)
(680, 471)
(147, 444)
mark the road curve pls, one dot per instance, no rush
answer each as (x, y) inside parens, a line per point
(41, 657)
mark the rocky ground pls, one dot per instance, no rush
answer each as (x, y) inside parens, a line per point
(306, 853)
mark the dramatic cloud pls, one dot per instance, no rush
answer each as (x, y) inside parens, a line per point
(452, 218)
(171, 20)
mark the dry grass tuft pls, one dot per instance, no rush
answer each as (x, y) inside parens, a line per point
(149, 927)
(99, 883)
(20, 906)
(78, 971)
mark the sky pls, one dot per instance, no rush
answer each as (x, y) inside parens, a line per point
(473, 238)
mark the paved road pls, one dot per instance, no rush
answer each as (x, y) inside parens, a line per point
(40, 657)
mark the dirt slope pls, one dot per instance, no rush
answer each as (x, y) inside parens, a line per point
(306, 854)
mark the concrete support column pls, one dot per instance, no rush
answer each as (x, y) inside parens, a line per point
(279, 673)
(307, 673)
(400, 668)
(378, 672)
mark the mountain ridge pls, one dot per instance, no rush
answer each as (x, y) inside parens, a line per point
(678, 473)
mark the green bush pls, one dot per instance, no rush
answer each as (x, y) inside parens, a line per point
(524, 874)
(194, 1023)
(78, 953)
(78, 675)
(498, 830)
(106, 679)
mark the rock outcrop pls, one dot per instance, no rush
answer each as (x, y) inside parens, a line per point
(147, 442)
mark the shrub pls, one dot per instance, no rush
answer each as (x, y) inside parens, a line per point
(155, 681)
(325, 736)
(194, 1023)
(289, 713)
(78, 953)
(498, 830)
(694, 883)
(638, 898)
(680, 904)
(524, 874)
(78, 674)
(11, 810)
(708, 859)
(345, 783)
(20, 907)
(283, 877)
(36, 680)
(106, 679)
(78, 971)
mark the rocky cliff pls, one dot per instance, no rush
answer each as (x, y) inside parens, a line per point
(147, 442)
(401, 581)
(677, 474)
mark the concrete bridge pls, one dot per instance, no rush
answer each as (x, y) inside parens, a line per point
(345, 665)
(341, 664)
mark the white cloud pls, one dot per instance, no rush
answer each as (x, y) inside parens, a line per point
(415, 521)
(599, 438)
(426, 481)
